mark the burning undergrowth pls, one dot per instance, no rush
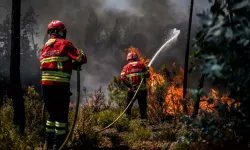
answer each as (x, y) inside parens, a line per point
(167, 86)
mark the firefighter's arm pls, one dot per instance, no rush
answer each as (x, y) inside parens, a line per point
(124, 78)
(76, 54)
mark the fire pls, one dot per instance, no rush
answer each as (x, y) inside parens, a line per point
(173, 93)
(141, 57)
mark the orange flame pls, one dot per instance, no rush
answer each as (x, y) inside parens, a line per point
(174, 91)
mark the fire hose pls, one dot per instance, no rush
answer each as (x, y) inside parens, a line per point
(175, 35)
(76, 111)
(124, 109)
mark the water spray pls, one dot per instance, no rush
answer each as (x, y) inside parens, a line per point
(174, 34)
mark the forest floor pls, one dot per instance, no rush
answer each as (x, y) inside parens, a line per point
(163, 136)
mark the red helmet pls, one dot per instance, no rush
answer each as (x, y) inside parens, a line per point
(56, 25)
(132, 56)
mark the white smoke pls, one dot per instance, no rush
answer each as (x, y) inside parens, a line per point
(75, 15)
(122, 6)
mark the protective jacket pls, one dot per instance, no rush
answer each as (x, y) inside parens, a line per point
(56, 61)
(133, 73)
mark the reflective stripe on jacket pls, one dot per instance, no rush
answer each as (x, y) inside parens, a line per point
(56, 61)
(133, 73)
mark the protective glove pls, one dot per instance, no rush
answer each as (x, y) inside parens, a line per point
(75, 65)
(134, 87)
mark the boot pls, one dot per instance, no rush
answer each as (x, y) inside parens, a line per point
(49, 138)
(58, 141)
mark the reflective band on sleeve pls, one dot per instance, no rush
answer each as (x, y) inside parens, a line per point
(79, 58)
(135, 74)
(59, 132)
(122, 73)
(50, 130)
(51, 59)
(61, 124)
(50, 123)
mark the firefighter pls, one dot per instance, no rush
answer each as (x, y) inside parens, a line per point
(131, 76)
(56, 65)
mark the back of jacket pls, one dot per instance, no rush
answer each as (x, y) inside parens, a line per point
(56, 61)
(133, 73)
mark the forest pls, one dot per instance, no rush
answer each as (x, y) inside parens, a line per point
(179, 118)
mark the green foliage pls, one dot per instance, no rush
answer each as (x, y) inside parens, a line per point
(84, 135)
(33, 131)
(117, 92)
(181, 146)
(105, 117)
(122, 124)
(137, 132)
(223, 52)
(158, 104)
(223, 41)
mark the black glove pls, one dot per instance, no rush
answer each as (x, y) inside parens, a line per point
(134, 87)
(75, 65)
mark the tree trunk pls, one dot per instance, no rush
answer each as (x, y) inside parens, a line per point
(185, 109)
(197, 102)
(15, 81)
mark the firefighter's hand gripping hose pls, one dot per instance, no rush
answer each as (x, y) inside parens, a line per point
(174, 35)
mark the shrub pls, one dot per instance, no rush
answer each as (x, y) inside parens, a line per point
(84, 135)
(122, 124)
(105, 117)
(181, 146)
(115, 139)
(137, 133)
(117, 92)
(166, 134)
(33, 131)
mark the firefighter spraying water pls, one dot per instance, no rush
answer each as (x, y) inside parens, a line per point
(134, 72)
(133, 76)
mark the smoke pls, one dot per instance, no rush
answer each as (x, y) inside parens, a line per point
(141, 23)
(122, 6)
